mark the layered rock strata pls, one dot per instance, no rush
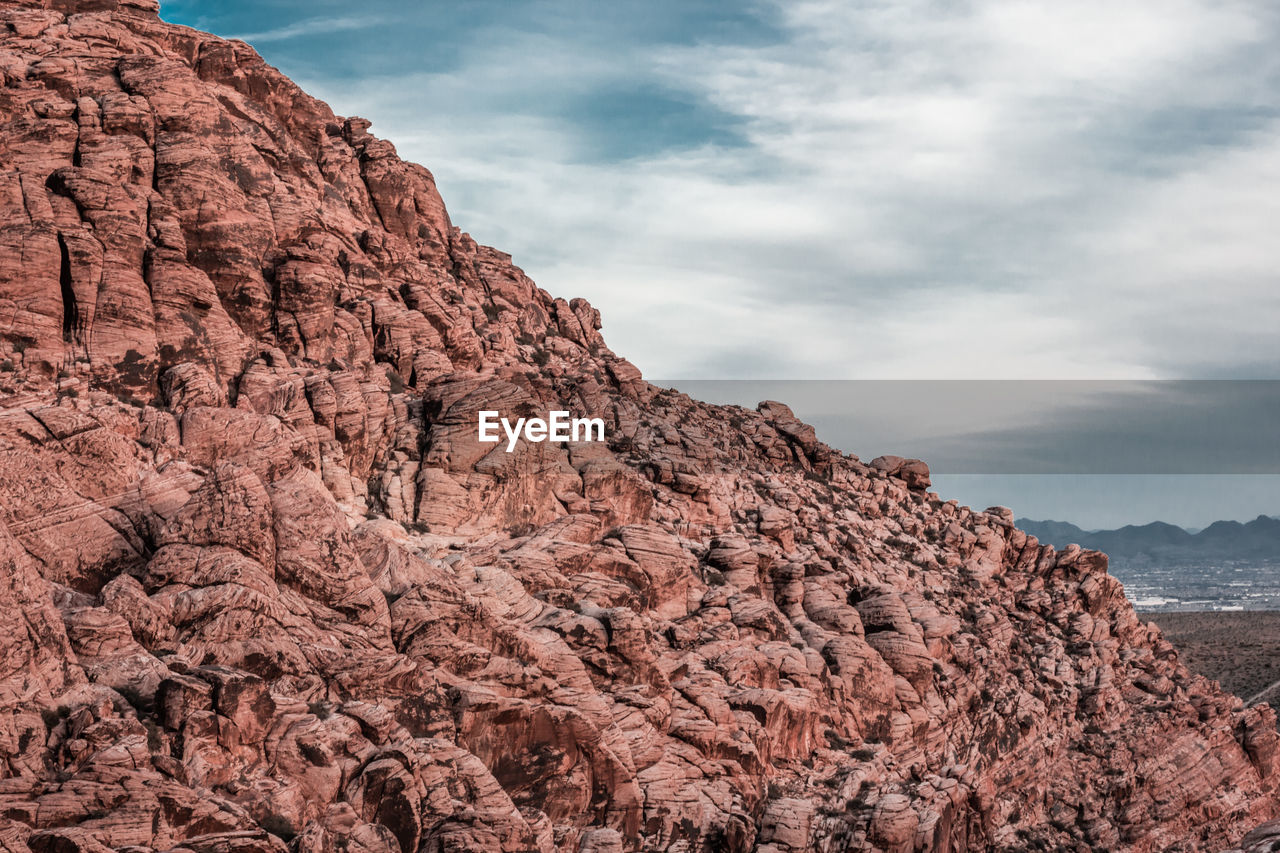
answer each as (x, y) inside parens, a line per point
(262, 588)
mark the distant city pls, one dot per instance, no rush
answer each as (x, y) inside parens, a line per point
(1228, 565)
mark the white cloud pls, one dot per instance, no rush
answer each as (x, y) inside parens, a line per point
(1007, 189)
(310, 27)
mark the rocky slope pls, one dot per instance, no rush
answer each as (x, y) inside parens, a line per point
(263, 588)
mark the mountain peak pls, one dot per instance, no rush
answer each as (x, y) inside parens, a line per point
(270, 588)
(1221, 540)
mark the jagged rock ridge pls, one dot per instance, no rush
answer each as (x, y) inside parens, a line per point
(263, 588)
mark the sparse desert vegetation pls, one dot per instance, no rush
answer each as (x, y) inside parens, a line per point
(1241, 650)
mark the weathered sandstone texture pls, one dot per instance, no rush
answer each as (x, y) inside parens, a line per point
(1263, 839)
(262, 589)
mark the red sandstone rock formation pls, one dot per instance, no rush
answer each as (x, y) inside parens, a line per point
(1263, 839)
(262, 588)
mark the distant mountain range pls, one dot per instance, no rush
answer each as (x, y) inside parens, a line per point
(1159, 540)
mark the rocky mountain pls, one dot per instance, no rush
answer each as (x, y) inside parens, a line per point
(1222, 540)
(264, 589)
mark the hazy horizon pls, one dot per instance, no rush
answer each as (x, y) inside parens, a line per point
(1095, 503)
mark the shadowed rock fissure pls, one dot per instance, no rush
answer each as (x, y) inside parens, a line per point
(70, 311)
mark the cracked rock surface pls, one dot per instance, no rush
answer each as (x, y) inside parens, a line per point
(262, 588)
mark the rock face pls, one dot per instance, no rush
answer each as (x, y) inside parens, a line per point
(263, 589)
(1263, 839)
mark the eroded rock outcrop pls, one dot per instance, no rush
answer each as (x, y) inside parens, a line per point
(264, 589)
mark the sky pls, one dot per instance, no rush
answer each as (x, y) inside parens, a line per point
(1100, 453)
(1010, 189)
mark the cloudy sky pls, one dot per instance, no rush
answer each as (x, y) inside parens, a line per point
(869, 190)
